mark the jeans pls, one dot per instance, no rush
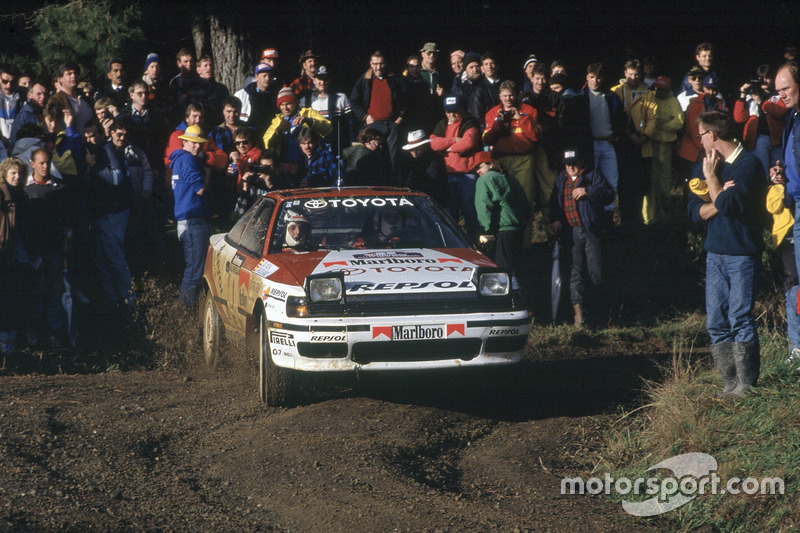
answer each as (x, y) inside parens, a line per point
(462, 201)
(193, 234)
(730, 295)
(112, 266)
(605, 160)
(792, 318)
(585, 258)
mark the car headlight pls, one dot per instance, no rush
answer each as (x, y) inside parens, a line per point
(297, 306)
(494, 284)
(325, 289)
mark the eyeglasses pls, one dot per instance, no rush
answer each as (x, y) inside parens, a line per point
(7, 81)
(241, 143)
(700, 136)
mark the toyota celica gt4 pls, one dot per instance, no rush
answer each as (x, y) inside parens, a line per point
(367, 279)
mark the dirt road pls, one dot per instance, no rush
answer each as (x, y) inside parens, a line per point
(192, 451)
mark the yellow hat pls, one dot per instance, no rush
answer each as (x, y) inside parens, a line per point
(194, 134)
(700, 188)
(782, 219)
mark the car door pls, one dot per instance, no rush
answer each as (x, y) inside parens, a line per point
(249, 251)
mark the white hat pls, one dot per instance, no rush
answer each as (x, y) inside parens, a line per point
(416, 139)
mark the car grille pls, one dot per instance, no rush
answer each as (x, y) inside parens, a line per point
(408, 351)
(506, 344)
(322, 350)
(416, 305)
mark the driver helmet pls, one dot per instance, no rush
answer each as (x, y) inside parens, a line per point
(298, 227)
(392, 221)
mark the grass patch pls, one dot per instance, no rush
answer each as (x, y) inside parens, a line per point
(755, 436)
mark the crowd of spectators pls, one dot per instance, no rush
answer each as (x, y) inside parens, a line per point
(91, 177)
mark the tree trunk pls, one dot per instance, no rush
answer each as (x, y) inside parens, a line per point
(231, 50)
(199, 34)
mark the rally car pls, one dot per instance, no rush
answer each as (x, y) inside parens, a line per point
(345, 279)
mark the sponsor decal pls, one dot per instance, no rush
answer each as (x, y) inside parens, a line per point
(418, 332)
(281, 338)
(274, 293)
(503, 331)
(385, 254)
(390, 261)
(244, 278)
(350, 271)
(265, 268)
(316, 203)
(334, 263)
(408, 285)
(237, 260)
(449, 260)
(319, 203)
(337, 337)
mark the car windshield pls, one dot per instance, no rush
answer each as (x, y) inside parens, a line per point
(365, 222)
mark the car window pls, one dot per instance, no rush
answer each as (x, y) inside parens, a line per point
(255, 234)
(236, 231)
(367, 222)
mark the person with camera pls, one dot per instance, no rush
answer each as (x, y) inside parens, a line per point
(260, 178)
(512, 128)
(747, 110)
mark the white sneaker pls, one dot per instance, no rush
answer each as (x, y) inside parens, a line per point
(794, 358)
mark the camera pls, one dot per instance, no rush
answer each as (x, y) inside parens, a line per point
(755, 86)
(261, 169)
(503, 121)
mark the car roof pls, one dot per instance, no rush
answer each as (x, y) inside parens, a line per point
(346, 192)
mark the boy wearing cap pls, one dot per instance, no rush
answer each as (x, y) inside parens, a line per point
(576, 211)
(192, 211)
(502, 210)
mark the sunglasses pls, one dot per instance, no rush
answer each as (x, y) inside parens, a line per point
(241, 143)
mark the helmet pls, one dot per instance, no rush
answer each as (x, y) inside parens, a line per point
(293, 218)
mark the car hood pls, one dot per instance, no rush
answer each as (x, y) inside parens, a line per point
(386, 271)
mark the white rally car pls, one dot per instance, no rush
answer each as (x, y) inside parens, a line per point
(357, 279)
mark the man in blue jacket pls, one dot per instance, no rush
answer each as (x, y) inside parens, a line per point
(576, 211)
(189, 183)
(735, 213)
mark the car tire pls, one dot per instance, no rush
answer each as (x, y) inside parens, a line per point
(212, 335)
(273, 380)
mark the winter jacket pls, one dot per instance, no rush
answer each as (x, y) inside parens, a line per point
(524, 131)
(110, 181)
(215, 158)
(640, 106)
(29, 114)
(278, 142)
(741, 114)
(776, 112)
(258, 107)
(478, 97)
(362, 91)
(187, 182)
(458, 154)
(669, 120)
(591, 209)
(501, 203)
(690, 147)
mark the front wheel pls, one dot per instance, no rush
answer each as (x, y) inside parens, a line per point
(211, 331)
(273, 380)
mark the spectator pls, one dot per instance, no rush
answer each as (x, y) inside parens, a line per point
(511, 130)
(157, 94)
(635, 148)
(747, 110)
(691, 146)
(247, 152)
(64, 142)
(304, 85)
(46, 213)
(180, 86)
(365, 162)
(318, 167)
(378, 102)
(259, 100)
(669, 120)
(457, 65)
(704, 57)
(30, 138)
(10, 100)
(146, 127)
(459, 139)
(607, 120)
(115, 88)
(67, 76)
(476, 93)
(430, 55)
(191, 209)
(576, 209)
(214, 157)
(255, 183)
(649, 72)
(734, 214)
(222, 135)
(114, 191)
(13, 255)
(337, 109)
(423, 109)
(31, 112)
(489, 69)
(212, 92)
(502, 209)
(282, 135)
(695, 79)
(424, 170)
